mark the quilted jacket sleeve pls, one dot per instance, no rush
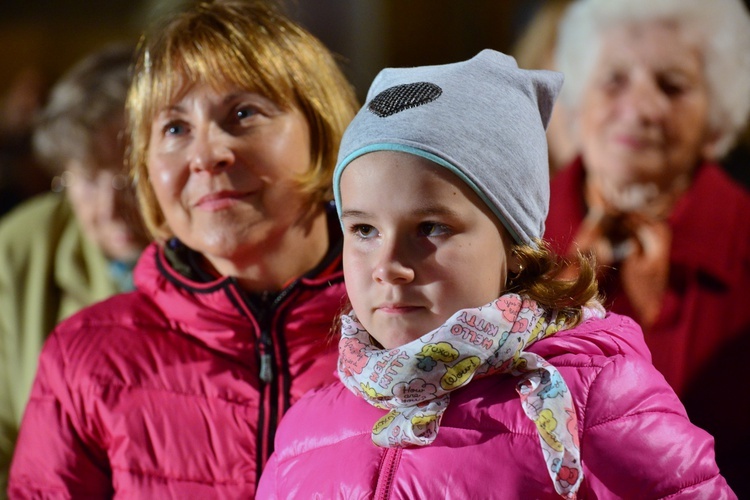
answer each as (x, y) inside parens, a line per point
(637, 438)
(51, 459)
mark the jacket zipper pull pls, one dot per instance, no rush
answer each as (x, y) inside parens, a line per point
(266, 371)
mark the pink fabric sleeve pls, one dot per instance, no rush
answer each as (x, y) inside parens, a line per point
(637, 437)
(51, 459)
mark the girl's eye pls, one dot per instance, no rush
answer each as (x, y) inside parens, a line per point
(364, 231)
(432, 229)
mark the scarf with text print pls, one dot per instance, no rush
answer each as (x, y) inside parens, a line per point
(414, 381)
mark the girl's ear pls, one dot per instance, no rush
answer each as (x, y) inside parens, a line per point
(514, 263)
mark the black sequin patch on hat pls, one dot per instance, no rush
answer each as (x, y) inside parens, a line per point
(410, 95)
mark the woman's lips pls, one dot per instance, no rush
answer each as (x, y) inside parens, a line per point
(635, 142)
(219, 200)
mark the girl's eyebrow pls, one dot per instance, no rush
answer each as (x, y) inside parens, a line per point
(436, 210)
(354, 213)
(430, 210)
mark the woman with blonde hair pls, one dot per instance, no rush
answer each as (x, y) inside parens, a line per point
(176, 389)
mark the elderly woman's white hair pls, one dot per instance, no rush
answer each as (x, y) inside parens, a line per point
(720, 27)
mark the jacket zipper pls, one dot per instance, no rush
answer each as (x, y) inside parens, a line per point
(387, 472)
(270, 382)
(265, 348)
(265, 340)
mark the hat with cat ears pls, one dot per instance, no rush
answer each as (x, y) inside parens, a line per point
(483, 119)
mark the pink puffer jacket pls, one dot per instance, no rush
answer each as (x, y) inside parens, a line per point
(175, 390)
(636, 441)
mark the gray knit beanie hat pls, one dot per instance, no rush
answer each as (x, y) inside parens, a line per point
(483, 119)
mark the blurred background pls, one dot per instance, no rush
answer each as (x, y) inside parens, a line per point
(40, 39)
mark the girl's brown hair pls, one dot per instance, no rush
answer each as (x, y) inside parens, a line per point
(553, 282)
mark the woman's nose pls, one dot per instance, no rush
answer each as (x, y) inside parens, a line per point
(210, 150)
(646, 101)
(392, 265)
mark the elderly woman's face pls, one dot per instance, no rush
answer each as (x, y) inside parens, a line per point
(103, 200)
(644, 114)
(223, 166)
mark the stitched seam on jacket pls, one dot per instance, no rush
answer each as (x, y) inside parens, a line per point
(692, 485)
(159, 475)
(103, 382)
(629, 415)
(317, 447)
(586, 428)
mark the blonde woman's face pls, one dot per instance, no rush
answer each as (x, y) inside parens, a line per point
(419, 245)
(645, 113)
(223, 164)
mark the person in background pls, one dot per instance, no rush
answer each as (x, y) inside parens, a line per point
(235, 114)
(535, 49)
(76, 245)
(21, 175)
(469, 368)
(659, 91)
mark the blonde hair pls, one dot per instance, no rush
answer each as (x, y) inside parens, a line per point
(251, 45)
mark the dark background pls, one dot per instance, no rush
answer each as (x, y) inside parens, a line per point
(41, 39)
(47, 36)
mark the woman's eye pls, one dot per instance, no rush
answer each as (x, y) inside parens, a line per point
(364, 231)
(243, 113)
(672, 87)
(432, 229)
(175, 129)
(614, 81)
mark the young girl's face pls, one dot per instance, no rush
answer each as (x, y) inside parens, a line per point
(419, 245)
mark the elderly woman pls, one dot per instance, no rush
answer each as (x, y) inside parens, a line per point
(175, 390)
(659, 91)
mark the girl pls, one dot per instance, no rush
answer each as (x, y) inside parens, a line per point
(469, 367)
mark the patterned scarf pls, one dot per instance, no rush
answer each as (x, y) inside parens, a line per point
(414, 381)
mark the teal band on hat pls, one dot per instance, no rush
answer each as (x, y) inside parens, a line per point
(483, 119)
(417, 152)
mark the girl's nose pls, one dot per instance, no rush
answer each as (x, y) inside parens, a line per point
(392, 265)
(210, 150)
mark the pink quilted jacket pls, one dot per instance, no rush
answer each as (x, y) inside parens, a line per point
(636, 441)
(175, 390)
